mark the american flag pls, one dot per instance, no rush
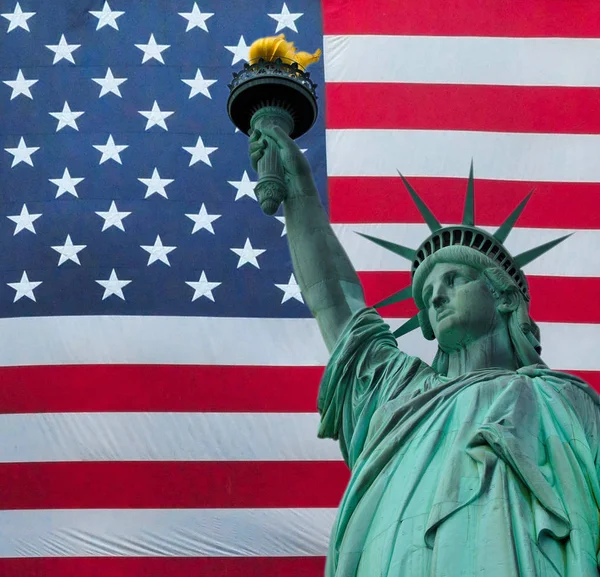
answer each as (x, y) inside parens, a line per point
(159, 368)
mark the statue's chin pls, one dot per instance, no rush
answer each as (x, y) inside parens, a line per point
(449, 336)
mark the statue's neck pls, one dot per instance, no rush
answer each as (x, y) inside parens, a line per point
(494, 350)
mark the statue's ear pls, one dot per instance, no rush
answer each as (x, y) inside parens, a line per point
(508, 300)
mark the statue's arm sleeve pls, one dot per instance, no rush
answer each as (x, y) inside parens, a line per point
(366, 368)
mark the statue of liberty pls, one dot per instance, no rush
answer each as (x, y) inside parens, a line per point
(485, 463)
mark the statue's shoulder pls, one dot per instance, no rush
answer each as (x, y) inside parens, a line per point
(570, 385)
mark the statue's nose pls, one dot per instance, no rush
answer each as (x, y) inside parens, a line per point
(439, 301)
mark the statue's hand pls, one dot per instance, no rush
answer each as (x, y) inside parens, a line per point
(298, 176)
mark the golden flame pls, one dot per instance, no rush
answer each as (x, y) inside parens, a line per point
(273, 47)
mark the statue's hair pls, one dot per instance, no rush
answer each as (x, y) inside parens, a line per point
(524, 332)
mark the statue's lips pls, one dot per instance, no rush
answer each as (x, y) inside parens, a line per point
(443, 314)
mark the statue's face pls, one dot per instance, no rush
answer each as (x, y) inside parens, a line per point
(460, 305)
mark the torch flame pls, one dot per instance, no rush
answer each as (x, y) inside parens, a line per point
(273, 47)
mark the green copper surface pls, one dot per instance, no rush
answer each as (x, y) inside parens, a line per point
(469, 208)
(427, 215)
(530, 255)
(504, 230)
(484, 462)
(403, 251)
(401, 295)
(407, 327)
(270, 188)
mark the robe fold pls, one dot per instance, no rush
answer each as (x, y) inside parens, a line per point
(494, 473)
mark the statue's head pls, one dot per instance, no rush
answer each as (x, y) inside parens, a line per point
(466, 285)
(464, 297)
(463, 303)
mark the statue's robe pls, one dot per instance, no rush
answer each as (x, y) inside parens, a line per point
(491, 474)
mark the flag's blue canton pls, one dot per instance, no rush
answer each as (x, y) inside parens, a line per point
(71, 288)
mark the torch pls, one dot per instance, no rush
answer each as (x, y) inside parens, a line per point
(273, 89)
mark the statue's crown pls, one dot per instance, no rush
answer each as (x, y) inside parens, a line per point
(465, 234)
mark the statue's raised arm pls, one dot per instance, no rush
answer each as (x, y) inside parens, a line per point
(326, 277)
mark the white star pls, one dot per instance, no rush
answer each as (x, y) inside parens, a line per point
(22, 153)
(106, 17)
(202, 287)
(17, 19)
(62, 50)
(156, 184)
(109, 84)
(24, 287)
(66, 117)
(195, 18)
(203, 220)
(66, 184)
(110, 150)
(113, 217)
(199, 85)
(113, 286)
(199, 152)
(285, 19)
(24, 220)
(240, 52)
(248, 254)
(152, 50)
(21, 86)
(281, 219)
(158, 252)
(156, 116)
(245, 187)
(68, 251)
(291, 290)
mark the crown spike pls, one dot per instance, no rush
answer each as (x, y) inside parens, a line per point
(505, 228)
(469, 210)
(427, 215)
(526, 257)
(397, 297)
(403, 251)
(410, 325)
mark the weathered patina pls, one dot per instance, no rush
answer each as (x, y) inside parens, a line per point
(484, 463)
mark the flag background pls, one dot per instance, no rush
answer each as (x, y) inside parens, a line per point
(149, 433)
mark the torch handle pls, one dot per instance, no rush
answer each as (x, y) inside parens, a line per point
(271, 187)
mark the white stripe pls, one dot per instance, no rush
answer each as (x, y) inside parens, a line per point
(159, 340)
(572, 257)
(165, 532)
(55, 437)
(447, 153)
(231, 341)
(463, 60)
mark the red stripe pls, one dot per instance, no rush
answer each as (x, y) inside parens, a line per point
(541, 109)
(163, 566)
(590, 377)
(551, 297)
(98, 388)
(552, 18)
(385, 200)
(175, 388)
(169, 485)
(565, 299)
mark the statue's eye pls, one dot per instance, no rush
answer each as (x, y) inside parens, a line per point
(459, 279)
